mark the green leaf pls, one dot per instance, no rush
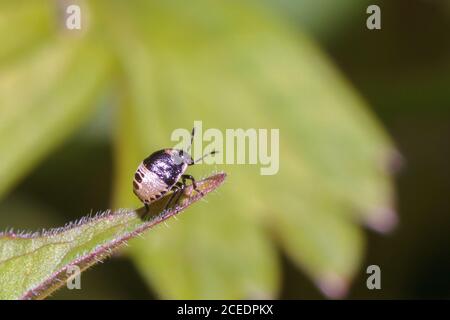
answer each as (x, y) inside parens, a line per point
(240, 67)
(211, 256)
(203, 262)
(31, 22)
(283, 80)
(32, 266)
(321, 240)
(232, 65)
(38, 115)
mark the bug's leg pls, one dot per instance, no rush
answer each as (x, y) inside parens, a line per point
(176, 188)
(185, 177)
(182, 186)
(147, 210)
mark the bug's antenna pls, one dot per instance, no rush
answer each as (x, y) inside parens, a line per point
(205, 155)
(192, 139)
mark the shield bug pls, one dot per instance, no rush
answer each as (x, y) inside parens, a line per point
(162, 171)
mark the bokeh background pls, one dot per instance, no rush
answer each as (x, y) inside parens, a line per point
(364, 127)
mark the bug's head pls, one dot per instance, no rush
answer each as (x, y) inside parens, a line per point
(179, 157)
(183, 156)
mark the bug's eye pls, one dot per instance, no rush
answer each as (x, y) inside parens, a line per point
(182, 155)
(178, 156)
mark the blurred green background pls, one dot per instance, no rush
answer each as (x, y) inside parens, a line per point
(80, 109)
